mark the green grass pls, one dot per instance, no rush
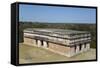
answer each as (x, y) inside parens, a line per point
(31, 54)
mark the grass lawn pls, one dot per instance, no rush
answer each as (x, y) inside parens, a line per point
(31, 54)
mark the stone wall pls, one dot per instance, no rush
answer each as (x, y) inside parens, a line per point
(30, 42)
(59, 49)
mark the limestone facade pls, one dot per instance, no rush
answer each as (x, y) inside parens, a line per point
(68, 45)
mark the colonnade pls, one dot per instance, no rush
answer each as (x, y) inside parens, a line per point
(78, 49)
(41, 43)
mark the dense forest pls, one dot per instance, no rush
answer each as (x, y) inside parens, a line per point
(73, 26)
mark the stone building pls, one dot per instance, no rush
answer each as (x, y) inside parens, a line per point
(65, 42)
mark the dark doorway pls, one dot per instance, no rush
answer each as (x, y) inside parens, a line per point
(80, 47)
(36, 41)
(47, 44)
(42, 42)
(85, 45)
(75, 48)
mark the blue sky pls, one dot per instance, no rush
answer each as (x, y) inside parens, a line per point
(37, 13)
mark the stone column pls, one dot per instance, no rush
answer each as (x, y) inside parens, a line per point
(77, 49)
(39, 43)
(44, 44)
(83, 49)
(88, 46)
